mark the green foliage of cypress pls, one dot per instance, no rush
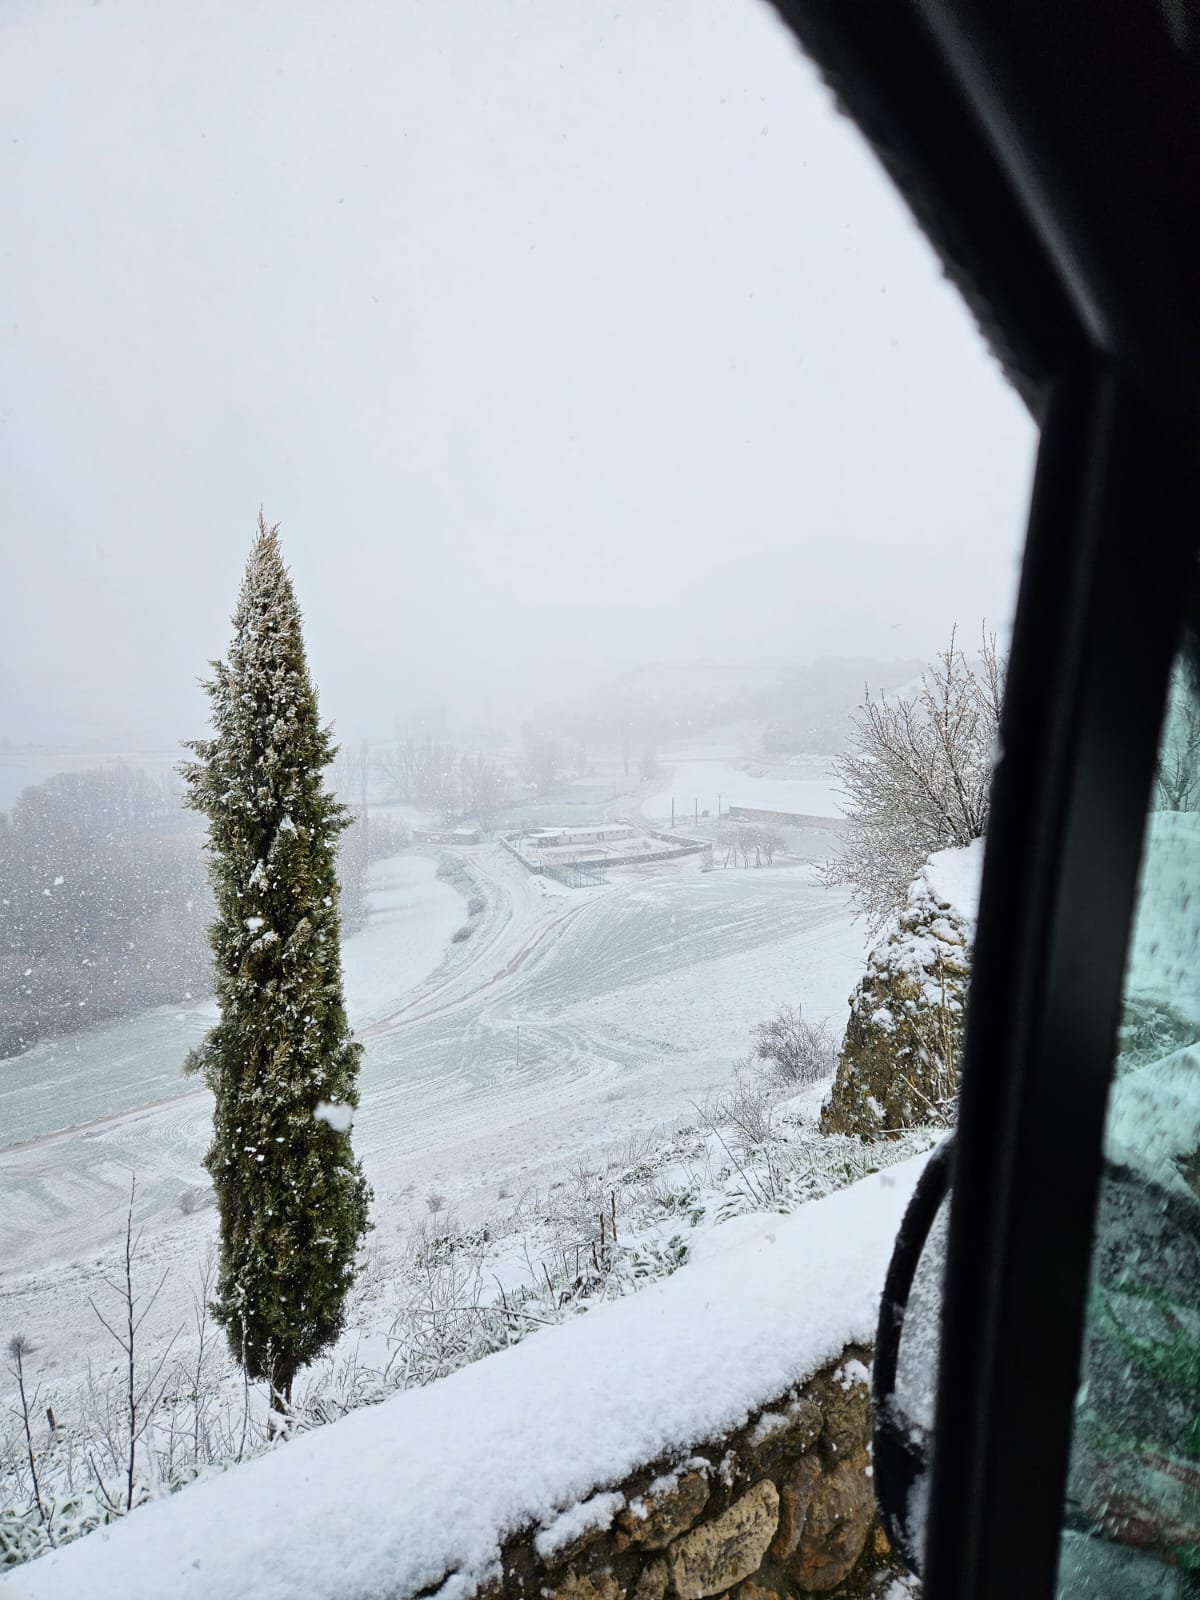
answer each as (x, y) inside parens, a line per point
(291, 1197)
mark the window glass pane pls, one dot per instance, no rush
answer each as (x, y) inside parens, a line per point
(1132, 1517)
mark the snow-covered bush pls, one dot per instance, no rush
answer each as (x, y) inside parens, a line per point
(797, 1051)
(194, 1198)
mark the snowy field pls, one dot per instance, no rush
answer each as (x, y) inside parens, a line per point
(568, 1024)
(719, 775)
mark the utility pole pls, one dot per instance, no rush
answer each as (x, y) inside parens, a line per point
(696, 811)
(672, 813)
(718, 805)
(518, 1047)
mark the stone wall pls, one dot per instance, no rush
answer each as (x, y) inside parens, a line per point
(784, 1507)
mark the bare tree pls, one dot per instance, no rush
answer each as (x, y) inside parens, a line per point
(18, 1348)
(738, 843)
(488, 788)
(918, 775)
(397, 767)
(351, 772)
(769, 841)
(141, 1399)
(540, 759)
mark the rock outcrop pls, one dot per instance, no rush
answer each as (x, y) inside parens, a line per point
(899, 1063)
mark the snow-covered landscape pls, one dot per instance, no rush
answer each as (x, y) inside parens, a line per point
(514, 519)
(630, 1001)
(574, 1058)
(459, 997)
(520, 1439)
(605, 985)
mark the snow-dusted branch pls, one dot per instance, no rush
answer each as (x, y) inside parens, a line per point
(918, 775)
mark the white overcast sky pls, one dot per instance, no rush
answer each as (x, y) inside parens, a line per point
(561, 336)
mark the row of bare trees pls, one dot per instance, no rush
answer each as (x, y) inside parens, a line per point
(449, 782)
(105, 905)
(750, 845)
(444, 780)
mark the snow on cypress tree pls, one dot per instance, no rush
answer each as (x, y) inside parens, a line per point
(281, 1061)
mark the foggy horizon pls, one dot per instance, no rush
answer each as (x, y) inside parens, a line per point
(559, 343)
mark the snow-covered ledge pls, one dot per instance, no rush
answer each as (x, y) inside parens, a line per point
(539, 1447)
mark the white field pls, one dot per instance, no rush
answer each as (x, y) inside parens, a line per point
(719, 775)
(630, 1002)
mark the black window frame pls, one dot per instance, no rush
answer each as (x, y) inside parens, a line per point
(1050, 153)
(1097, 622)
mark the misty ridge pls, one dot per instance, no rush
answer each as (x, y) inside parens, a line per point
(105, 902)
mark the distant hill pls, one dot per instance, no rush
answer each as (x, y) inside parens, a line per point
(802, 707)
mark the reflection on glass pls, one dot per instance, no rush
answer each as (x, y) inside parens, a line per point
(915, 1389)
(917, 1359)
(1132, 1514)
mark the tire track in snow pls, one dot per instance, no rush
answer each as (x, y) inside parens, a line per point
(422, 1012)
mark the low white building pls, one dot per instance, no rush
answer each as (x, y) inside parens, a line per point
(558, 838)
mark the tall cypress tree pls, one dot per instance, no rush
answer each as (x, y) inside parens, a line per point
(291, 1197)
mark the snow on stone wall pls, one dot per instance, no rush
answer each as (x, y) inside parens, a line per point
(574, 1461)
(784, 1506)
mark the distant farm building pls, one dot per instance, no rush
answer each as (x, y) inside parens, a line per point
(581, 856)
(561, 838)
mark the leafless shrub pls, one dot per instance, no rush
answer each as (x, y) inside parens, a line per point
(193, 1199)
(741, 1120)
(797, 1051)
